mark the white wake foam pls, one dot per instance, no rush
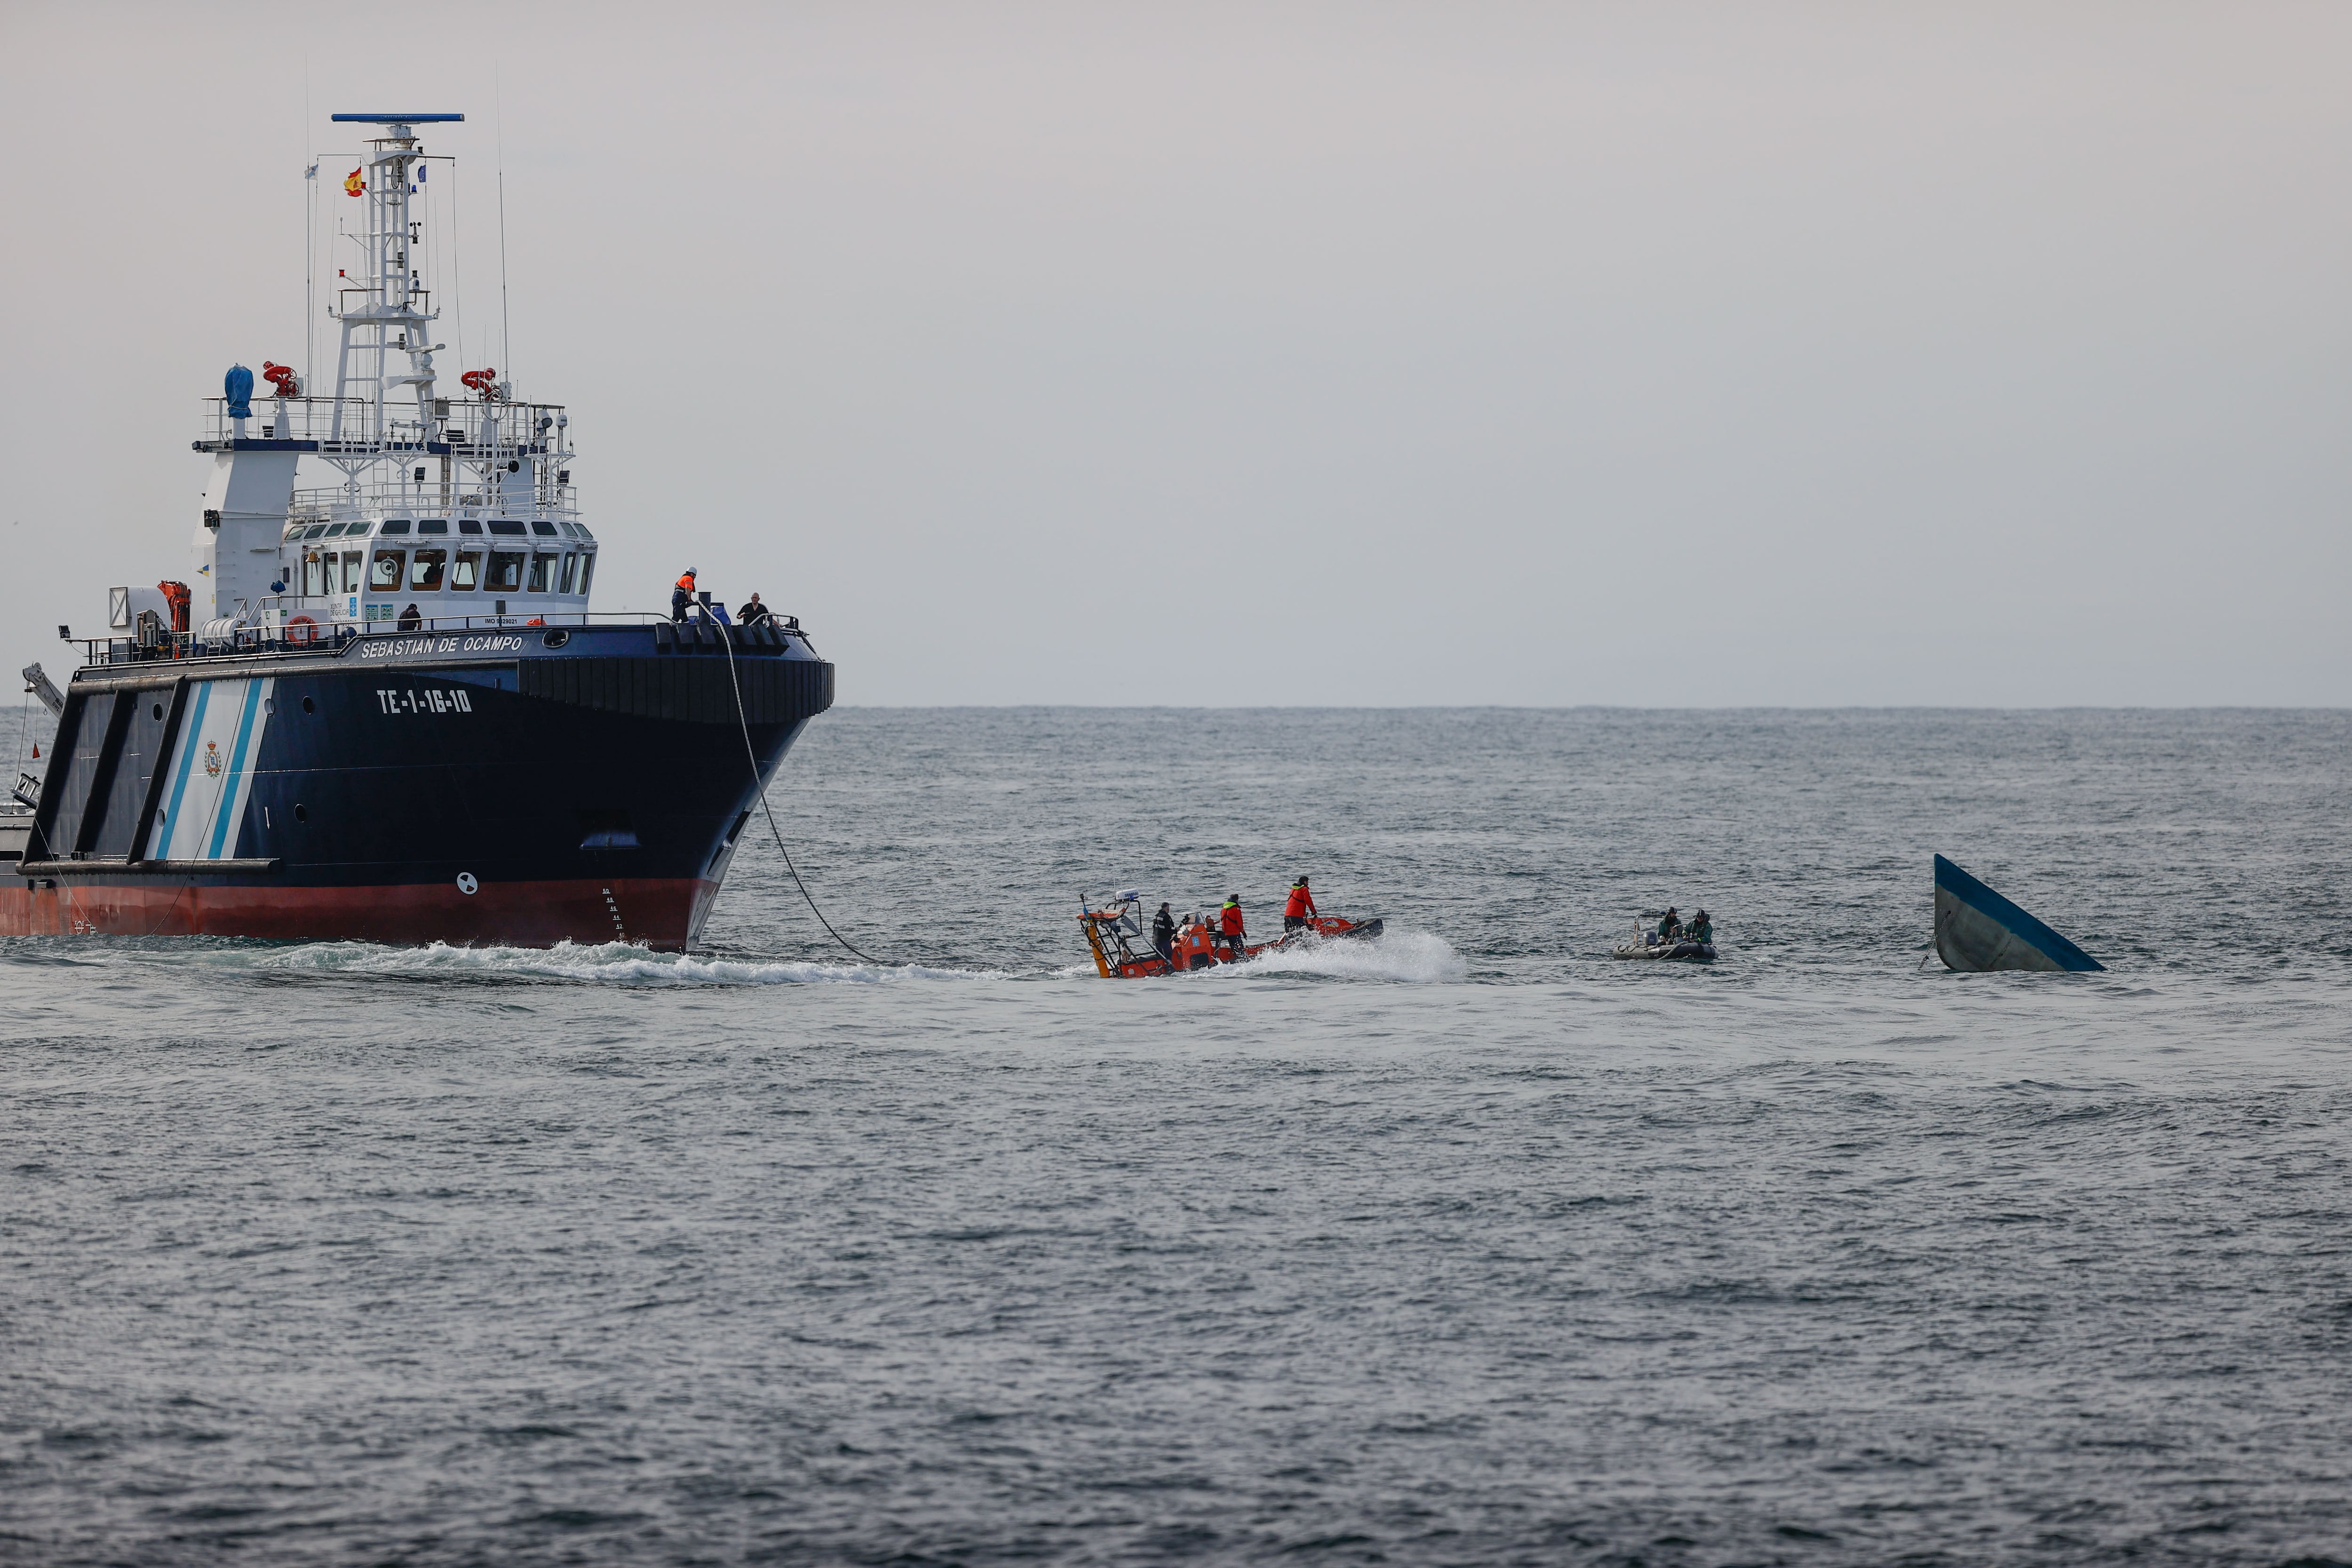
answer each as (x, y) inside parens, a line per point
(1417, 956)
(609, 963)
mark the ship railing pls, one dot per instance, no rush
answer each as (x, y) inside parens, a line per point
(472, 427)
(260, 639)
(335, 503)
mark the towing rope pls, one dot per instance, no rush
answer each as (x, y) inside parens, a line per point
(726, 635)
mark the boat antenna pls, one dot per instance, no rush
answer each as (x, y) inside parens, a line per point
(505, 321)
(457, 271)
(309, 247)
(506, 339)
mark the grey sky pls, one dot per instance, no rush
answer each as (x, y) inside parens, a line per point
(1293, 353)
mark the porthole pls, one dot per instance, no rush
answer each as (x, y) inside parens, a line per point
(158, 709)
(556, 639)
(308, 706)
(301, 814)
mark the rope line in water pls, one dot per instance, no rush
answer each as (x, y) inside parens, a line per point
(727, 633)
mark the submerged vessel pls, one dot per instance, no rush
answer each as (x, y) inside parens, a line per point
(381, 707)
(1977, 929)
(1122, 953)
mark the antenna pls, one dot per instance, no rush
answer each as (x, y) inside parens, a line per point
(309, 247)
(506, 337)
(457, 271)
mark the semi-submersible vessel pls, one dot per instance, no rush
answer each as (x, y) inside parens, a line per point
(380, 709)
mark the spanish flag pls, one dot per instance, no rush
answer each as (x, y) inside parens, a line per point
(355, 185)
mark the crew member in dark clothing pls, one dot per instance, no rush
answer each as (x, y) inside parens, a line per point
(1702, 930)
(1671, 928)
(1301, 907)
(1164, 934)
(682, 596)
(752, 613)
(1229, 924)
(411, 619)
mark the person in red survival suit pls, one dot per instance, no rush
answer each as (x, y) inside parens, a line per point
(1229, 924)
(1301, 907)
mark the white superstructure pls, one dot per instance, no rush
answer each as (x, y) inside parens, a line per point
(447, 510)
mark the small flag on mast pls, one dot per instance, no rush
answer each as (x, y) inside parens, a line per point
(355, 183)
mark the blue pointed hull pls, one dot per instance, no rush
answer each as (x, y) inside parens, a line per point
(1978, 930)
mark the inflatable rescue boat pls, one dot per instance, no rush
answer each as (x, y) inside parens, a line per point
(1123, 953)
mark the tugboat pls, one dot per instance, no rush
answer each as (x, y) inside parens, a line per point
(384, 711)
(1113, 930)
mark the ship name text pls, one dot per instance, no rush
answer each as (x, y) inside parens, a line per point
(397, 647)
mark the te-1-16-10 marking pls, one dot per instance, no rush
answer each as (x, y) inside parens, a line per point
(423, 702)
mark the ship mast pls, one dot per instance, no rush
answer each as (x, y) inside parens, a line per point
(391, 316)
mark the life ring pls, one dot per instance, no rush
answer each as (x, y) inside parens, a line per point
(303, 629)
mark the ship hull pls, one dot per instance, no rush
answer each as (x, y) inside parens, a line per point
(1978, 930)
(589, 785)
(656, 912)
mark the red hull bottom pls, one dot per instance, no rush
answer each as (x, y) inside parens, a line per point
(662, 913)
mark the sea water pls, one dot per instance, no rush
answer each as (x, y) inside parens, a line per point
(1468, 1245)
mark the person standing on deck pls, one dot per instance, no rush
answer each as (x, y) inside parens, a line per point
(682, 596)
(753, 613)
(1229, 922)
(1300, 908)
(1164, 934)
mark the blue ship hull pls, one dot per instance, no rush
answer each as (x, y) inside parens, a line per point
(517, 785)
(1978, 930)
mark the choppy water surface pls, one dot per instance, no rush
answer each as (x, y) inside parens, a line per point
(1473, 1247)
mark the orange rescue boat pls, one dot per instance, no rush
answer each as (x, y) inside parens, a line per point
(1123, 953)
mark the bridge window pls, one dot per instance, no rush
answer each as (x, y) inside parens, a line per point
(469, 525)
(504, 526)
(587, 564)
(316, 572)
(432, 525)
(543, 528)
(352, 559)
(385, 576)
(396, 525)
(467, 574)
(571, 572)
(424, 571)
(506, 570)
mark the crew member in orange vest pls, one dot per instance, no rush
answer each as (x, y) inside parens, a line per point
(1229, 919)
(1301, 907)
(682, 596)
